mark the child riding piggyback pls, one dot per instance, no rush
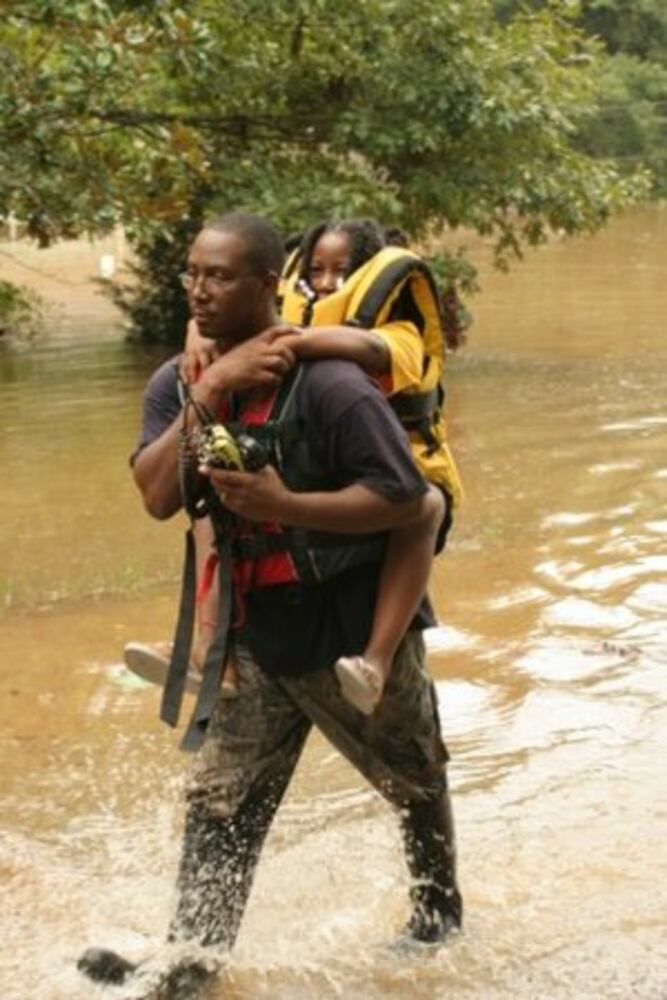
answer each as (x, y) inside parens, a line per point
(348, 294)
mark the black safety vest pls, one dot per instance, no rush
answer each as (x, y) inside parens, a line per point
(315, 555)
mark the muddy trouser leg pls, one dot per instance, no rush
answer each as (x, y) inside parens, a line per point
(430, 850)
(399, 749)
(238, 781)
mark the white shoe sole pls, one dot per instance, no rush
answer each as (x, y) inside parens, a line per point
(354, 686)
(146, 662)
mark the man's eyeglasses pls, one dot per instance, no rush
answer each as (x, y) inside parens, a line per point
(211, 282)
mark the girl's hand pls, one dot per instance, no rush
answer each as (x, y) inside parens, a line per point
(288, 336)
(200, 352)
(261, 362)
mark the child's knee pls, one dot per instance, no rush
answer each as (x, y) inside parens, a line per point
(434, 508)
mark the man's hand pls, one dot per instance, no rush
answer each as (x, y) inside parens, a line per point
(258, 496)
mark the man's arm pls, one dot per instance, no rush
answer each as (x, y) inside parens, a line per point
(155, 471)
(355, 509)
(261, 361)
(358, 439)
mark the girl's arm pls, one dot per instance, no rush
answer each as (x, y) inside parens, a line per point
(393, 354)
(365, 347)
(199, 353)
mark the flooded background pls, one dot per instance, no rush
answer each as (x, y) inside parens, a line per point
(549, 663)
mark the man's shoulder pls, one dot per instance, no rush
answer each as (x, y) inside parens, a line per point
(164, 380)
(332, 376)
(324, 369)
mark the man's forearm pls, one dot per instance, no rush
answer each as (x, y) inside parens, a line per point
(353, 510)
(156, 473)
(156, 466)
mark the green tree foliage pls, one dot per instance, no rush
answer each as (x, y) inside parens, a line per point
(631, 124)
(429, 113)
(21, 314)
(636, 27)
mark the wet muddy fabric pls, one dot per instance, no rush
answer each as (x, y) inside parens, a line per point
(255, 739)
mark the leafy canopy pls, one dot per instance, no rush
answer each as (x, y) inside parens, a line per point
(631, 123)
(152, 112)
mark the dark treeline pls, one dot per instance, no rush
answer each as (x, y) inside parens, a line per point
(631, 122)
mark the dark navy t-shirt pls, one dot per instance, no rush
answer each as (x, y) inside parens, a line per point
(356, 438)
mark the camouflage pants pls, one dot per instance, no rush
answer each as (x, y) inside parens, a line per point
(256, 739)
(243, 769)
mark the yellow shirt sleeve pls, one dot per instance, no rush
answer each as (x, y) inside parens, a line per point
(406, 350)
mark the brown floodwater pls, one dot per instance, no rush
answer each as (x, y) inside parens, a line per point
(550, 667)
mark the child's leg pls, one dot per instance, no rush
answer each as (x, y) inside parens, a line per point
(150, 661)
(403, 582)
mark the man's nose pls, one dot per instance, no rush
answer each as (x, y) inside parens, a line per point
(199, 287)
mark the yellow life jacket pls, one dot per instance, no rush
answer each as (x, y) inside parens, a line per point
(366, 300)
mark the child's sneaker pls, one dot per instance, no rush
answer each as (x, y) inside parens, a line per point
(150, 661)
(361, 683)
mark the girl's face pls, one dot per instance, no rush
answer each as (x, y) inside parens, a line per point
(329, 264)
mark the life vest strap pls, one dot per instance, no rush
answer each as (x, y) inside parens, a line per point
(390, 278)
(415, 406)
(418, 412)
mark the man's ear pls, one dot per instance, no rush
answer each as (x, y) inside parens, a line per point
(270, 284)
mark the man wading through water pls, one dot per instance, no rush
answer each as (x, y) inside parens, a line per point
(346, 478)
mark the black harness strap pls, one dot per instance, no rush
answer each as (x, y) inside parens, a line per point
(216, 657)
(174, 687)
(172, 697)
(301, 555)
(194, 502)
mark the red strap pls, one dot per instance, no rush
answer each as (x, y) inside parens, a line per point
(207, 577)
(258, 409)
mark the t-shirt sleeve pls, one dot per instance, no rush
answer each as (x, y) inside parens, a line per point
(406, 354)
(355, 432)
(161, 405)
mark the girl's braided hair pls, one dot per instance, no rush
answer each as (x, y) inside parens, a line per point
(366, 237)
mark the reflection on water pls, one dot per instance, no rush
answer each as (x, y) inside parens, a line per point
(549, 666)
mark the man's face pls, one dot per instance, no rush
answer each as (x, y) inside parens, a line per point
(226, 298)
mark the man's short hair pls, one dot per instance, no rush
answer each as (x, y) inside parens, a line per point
(264, 245)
